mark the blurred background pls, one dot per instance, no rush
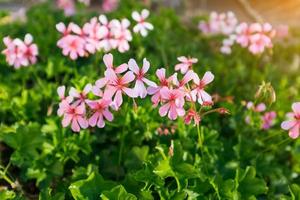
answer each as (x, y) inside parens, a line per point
(274, 11)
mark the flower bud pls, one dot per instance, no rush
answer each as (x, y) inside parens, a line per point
(265, 93)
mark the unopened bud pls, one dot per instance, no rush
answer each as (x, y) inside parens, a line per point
(223, 111)
(265, 93)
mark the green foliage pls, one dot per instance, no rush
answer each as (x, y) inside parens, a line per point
(128, 159)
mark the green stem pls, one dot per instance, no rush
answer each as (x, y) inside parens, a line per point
(200, 137)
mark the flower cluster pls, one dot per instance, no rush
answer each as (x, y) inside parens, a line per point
(219, 23)
(20, 53)
(69, 6)
(109, 5)
(266, 118)
(100, 34)
(255, 37)
(92, 106)
(293, 122)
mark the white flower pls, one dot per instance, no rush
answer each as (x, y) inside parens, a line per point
(142, 26)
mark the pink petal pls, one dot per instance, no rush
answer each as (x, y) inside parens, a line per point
(145, 13)
(66, 120)
(165, 93)
(296, 108)
(61, 27)
(74, 93)
(128, 77)
(109, 92)
(61, 91)
(208, 78)
(294, 132)
(118, 99)
(110, 75)
(130, 92)
(93, 119)
(161, 73)
(108, 115)
(75, 127)
(136, 16)
(122, 68)
(172, 113)
(83, 122)
(87, 88)
(182, 59)
(205, 96)
(100, 83)
(108, 60)
(146, 65)
(286, 125)
(148, 82)
(101, 122)
(132, 65)
(140, 89)
(163, 110)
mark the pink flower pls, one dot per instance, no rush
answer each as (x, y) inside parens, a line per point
(108, 61)
(139, 87)
(67, 5)
(32, 49)
(186, 64)
(118, 85)
(258, 108)
(122, 34)
(74, 114)
(282, 31)
(268, 119)
(259, 42)
(190, 75)
(80, 96)
(198, 90)
(61, 27)
(72, 46)
(142, 26)
(192, 115)
(101, 111)
(174, 102)
(108, 42)
(93, 32)
(61, 93)
(219, 23)
(163, 82)
(19, 53)
(243, 34)
(293, 123)
(109, 5)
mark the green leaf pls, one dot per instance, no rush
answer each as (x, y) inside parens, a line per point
(25, 140)
(248, 184)
(90, 188)
(117, 193)
(7, 194)
(295, 192)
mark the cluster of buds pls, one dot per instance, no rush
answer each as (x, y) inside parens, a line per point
(165, 130)
(94, 104)
(20, 53)
(99, 34)
(266, 118)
